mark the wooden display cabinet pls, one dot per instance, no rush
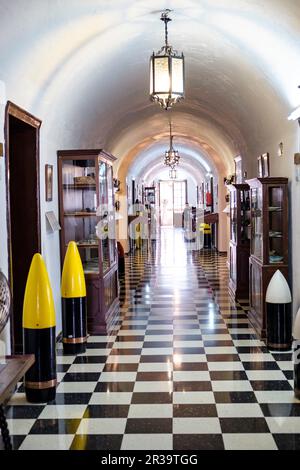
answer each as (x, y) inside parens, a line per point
(86, 200)
(269, 242)
(239, 246)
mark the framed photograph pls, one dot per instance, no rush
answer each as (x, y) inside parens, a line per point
(238, 170)
(260, 170)
(266, 165)
(49, 182)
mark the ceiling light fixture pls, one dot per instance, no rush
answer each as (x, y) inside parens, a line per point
(172, 156)
(166, 72)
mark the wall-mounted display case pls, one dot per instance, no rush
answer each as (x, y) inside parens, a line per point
(86, 197)
(269, 241)
(239, 246)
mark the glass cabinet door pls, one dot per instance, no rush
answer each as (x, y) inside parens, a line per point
(79, 202)
(275, 195)
(256, 227)
(233, 216)
(111, 212)
(104, 215)
(245, 215)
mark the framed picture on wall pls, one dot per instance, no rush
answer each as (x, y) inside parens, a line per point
(238, 170)
(260, 171)
(49, 182)
(266, 165)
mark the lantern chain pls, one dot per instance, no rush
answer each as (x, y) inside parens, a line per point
(165, 18)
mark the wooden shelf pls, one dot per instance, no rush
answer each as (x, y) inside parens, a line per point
(79, 186)
(87, 245)
(81, 214)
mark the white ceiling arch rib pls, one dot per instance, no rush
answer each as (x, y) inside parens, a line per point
(193, 160)
(153, 172)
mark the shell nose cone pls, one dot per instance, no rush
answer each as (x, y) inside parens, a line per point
(38, 306)
(278, 291)
(73, 281)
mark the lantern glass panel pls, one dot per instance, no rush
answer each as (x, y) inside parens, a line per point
(151, 76)
(177, 75)
(161, 75)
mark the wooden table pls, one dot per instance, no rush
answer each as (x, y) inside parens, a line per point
(211, 218)
(12, 369)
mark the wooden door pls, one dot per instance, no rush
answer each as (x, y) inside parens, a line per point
(23, 198)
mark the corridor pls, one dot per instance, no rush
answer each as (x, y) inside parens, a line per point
(182, 369)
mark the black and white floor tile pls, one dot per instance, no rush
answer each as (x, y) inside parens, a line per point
(183, 369)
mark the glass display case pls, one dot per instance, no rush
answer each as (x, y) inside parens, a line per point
(239, 247)
(87, 217)
(269, 241)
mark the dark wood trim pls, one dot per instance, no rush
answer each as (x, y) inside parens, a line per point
(107, 274)
(78, 154)
(24, 116)
(211, 218)
(254, 182)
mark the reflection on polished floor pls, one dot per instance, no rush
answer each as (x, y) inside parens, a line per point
(183, 369)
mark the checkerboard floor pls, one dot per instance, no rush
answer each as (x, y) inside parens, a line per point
(182, 369)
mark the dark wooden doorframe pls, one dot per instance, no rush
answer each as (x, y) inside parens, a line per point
(14, 113)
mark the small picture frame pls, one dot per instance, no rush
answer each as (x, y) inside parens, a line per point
(260, 170)
(266, 165)
(238, 169)
(49, 182)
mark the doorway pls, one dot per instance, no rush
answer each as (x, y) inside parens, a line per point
(173, 197)
(23, 206)
(166, 203)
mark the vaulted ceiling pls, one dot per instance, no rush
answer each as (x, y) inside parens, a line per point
(82, 66)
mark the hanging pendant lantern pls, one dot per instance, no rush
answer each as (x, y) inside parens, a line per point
(172, 156)
(166, 72)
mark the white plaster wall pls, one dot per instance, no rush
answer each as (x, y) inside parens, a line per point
(50, 241)
(192, 192)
